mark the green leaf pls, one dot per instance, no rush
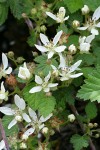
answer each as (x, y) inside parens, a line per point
(91, 110)
(44, 65)
(93, 4)
(73, 5)
(2, 1)
(5, 121)
(79, 142)
(20, 6)
(32, 39)
(3, 12)
(91, 88)
(87, 70)
(39, 101)
(73, 39)
(62, 27)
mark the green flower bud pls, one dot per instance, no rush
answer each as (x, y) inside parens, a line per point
(10, 54)
(20, 60)
(75, 23)
(43, 28)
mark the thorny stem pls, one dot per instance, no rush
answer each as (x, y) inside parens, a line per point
(74, 110)
(3, 135)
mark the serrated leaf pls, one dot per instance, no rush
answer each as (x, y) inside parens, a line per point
(44, 65)
(73, 5)
(39, 101)
(3, 12)
(91, 88)
(5, 121)
(79, 142)
(73, 39)
(91, 110)
(32, 39)
(86, 71)
(20, 6)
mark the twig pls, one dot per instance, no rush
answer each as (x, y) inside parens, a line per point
(74, 110)
(3, 135)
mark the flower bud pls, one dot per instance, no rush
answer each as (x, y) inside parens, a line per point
(23, 145)
(71, 117)
(11, 80)
(43, 28)
(33, 11)
(90, 125)
(75, 23)
(85, 10)
(45, 130)
(35, 54)
(20, 60)
(72, 49)
(95, 125)
(11, 54)
(24, 137)
(97, 135)
(18, 118)
(48, 94)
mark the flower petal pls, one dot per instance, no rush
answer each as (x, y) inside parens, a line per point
(20, 103)
(8, 71)
(41, 126)
(46, 79)
(26, 117)
(42, 119)
(7, 111)
(29, 131)
(62, 61)
(47, 89)
(57, 37)
(4, 61)
(90, 38)
(35, 89)
(60, 49)
(76, 75)
(2, 87)
(12, 123)
(50, 54)
(44, 39)
(38, 80)
(95, 31)
(2, 145)
(97, 25)
(32, 114)
(75, 66)
(82, 28)
(96, 14)
(41, 48)
(52, 84)
(66, 18)
(51, 15)
(2, 96)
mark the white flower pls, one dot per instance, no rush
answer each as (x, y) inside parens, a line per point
(85, 43)
(3, 93)
(92, 24)
(18, 113)
(71, 117)
(36, 123)
(50, 46)
(43, 84)
(2, 145)
(68, 72)
(60, 15)
(85, 10)
(24, 72)
(3, 69)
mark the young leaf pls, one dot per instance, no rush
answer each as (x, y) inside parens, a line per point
(3, 12)
(91, 110)
(79, 142)
(91, 88)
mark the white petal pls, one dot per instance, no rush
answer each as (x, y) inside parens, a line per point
(97, 25)
(66, 18)
(57, 37)
(12, 123)
(60, 49)
(41, 48)
(82, 28)
(8, 71)
(35, 89)
(76, 75)
(46, 79)
(96, 14)
(50, 54)
(2, 87)
(53, 67)
(52, 84)
(32, 114)
(2, 96)
(38, 80)
(26, 117)
(20, 103)
(4, 61)
(46, 89)
(94, 31)
(44, 39)
(42, 119)
(64, 78)
(29, 131)
(51, 15)
(90, 38)
(62, 61)
(75, 66)
(84, 47)
(41, 126)
(2, 145)
(7, 111)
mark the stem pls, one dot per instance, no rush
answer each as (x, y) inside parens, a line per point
(74, 110)
(3, 135)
